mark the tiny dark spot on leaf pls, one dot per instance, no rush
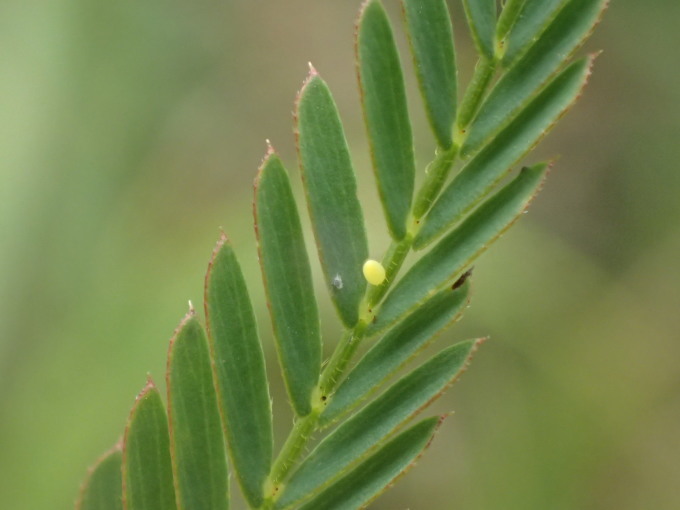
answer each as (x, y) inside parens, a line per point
(460, 281)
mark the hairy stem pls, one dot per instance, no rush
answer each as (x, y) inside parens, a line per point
(392, 262)
(302, 431)
(340, 358)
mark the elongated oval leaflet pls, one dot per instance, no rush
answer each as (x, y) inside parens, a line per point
(442, 265)
(239, 372)
(288, 282)
(431, 37)
(196, 440)
(481, 15)
(103, 488)
(383, 98)
(147, 467)
(493, 162)
(331, 191)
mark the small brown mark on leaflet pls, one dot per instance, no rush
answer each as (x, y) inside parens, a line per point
(463, 278)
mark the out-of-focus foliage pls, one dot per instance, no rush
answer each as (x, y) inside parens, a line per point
(128, 134)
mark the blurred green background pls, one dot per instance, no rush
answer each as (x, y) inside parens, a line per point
(131, 131)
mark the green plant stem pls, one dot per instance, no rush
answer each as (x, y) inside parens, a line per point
(436, 174)
(340, 358)
(392, 262)
(484, 71)
(295, 443)
(304, 427)
(302, 431)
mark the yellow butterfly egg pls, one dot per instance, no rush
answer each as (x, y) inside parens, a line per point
(374, 272)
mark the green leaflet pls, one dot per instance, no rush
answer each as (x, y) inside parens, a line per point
(351, 441)
(524, 79)
(196, 439)
(386, 114)
(395, 349)
(431, 37)
(491, 164)
(534, 18)
(288, 282)
(373, 476)
(147, 469)
(103, 488)
(239, 372)
(449, 258)
(481, 15)
(330, 187)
